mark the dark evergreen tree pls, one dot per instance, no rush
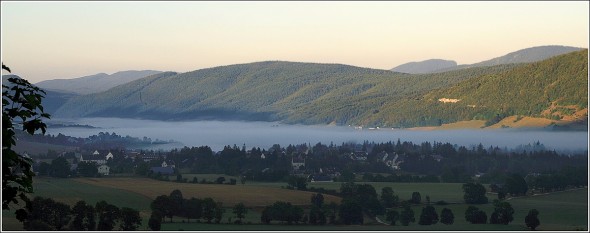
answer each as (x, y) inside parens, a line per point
(446, 216)
(532, 219)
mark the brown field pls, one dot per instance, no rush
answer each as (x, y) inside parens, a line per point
(525, 122)
(463, 124)
(251, 196)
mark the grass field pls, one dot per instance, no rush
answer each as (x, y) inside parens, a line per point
(558, 211)
(230, 195)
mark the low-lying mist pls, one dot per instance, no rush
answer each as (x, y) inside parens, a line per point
(217, 134)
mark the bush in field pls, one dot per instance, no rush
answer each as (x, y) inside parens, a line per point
(475, 216)
(532, 219)
(446, 216)
(428, 216)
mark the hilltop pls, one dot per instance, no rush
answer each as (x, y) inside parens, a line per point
(94, 83)
(310, 93)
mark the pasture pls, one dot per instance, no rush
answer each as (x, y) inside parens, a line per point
(251, 196)
(562, 211)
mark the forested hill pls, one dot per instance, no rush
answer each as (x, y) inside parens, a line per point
(555, 88)
(424, 67)
(527, 55)
(94, 83)
(322, 93)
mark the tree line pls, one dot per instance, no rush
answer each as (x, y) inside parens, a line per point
(46, 214)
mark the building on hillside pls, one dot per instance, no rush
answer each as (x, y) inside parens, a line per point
(358, 156)
(392, 161)
(93, 158)
(298, 163)
(168, 163)
(147, 158)
(109, 156)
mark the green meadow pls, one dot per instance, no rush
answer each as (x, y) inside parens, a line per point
(565, 211)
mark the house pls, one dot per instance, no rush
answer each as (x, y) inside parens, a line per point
(94, 158)
(147, 158)
(297, 163)
(358, 156)
(168, 163)
(109, 156)
(392, 161)
(162, 170)
(438, 158)
(104, 170)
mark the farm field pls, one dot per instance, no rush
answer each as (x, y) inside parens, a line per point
(558, 211)
(230, 195)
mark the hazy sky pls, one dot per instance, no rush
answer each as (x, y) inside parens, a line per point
(49, 40)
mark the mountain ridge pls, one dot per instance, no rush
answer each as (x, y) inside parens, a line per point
(526, 55)
(94, 83)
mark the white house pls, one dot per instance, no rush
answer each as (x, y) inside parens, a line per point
(104, 170)
(109, 156)
(296, 163)
(168, 163)
(96, 158)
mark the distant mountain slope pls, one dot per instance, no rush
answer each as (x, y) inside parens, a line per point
(289, 91)
(527, 55)
(94, 83)
(52, 100)
(311, 93)
(554, 88)
(424, 67)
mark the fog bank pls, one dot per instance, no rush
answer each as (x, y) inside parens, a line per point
(217, 134)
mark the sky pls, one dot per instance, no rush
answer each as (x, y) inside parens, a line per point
(62, 40)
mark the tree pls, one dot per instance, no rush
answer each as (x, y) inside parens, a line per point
(60, 167)
(407, 215)
(164, 205)
(107, 216)
(45, 212)
(193, 209)
(475, 216)
(83, 217)
(282, 211)
(87, 169)
(516, 185)
(447, 217)
(350, 212)
(317, 200)
(218, 212)
(177, 200)
(155, 222)
(532, 219)
(220, 180)
(317, 216)
(21, 107)
(240, 211)
(416, 198)
(502, 214)
(208, 209)
(388, 198)
(295, 182)
(392, 216)
(428, 216)
(130, 219)
(474, 193)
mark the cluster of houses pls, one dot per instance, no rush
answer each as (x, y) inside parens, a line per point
(98, 159)
(167, 167)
